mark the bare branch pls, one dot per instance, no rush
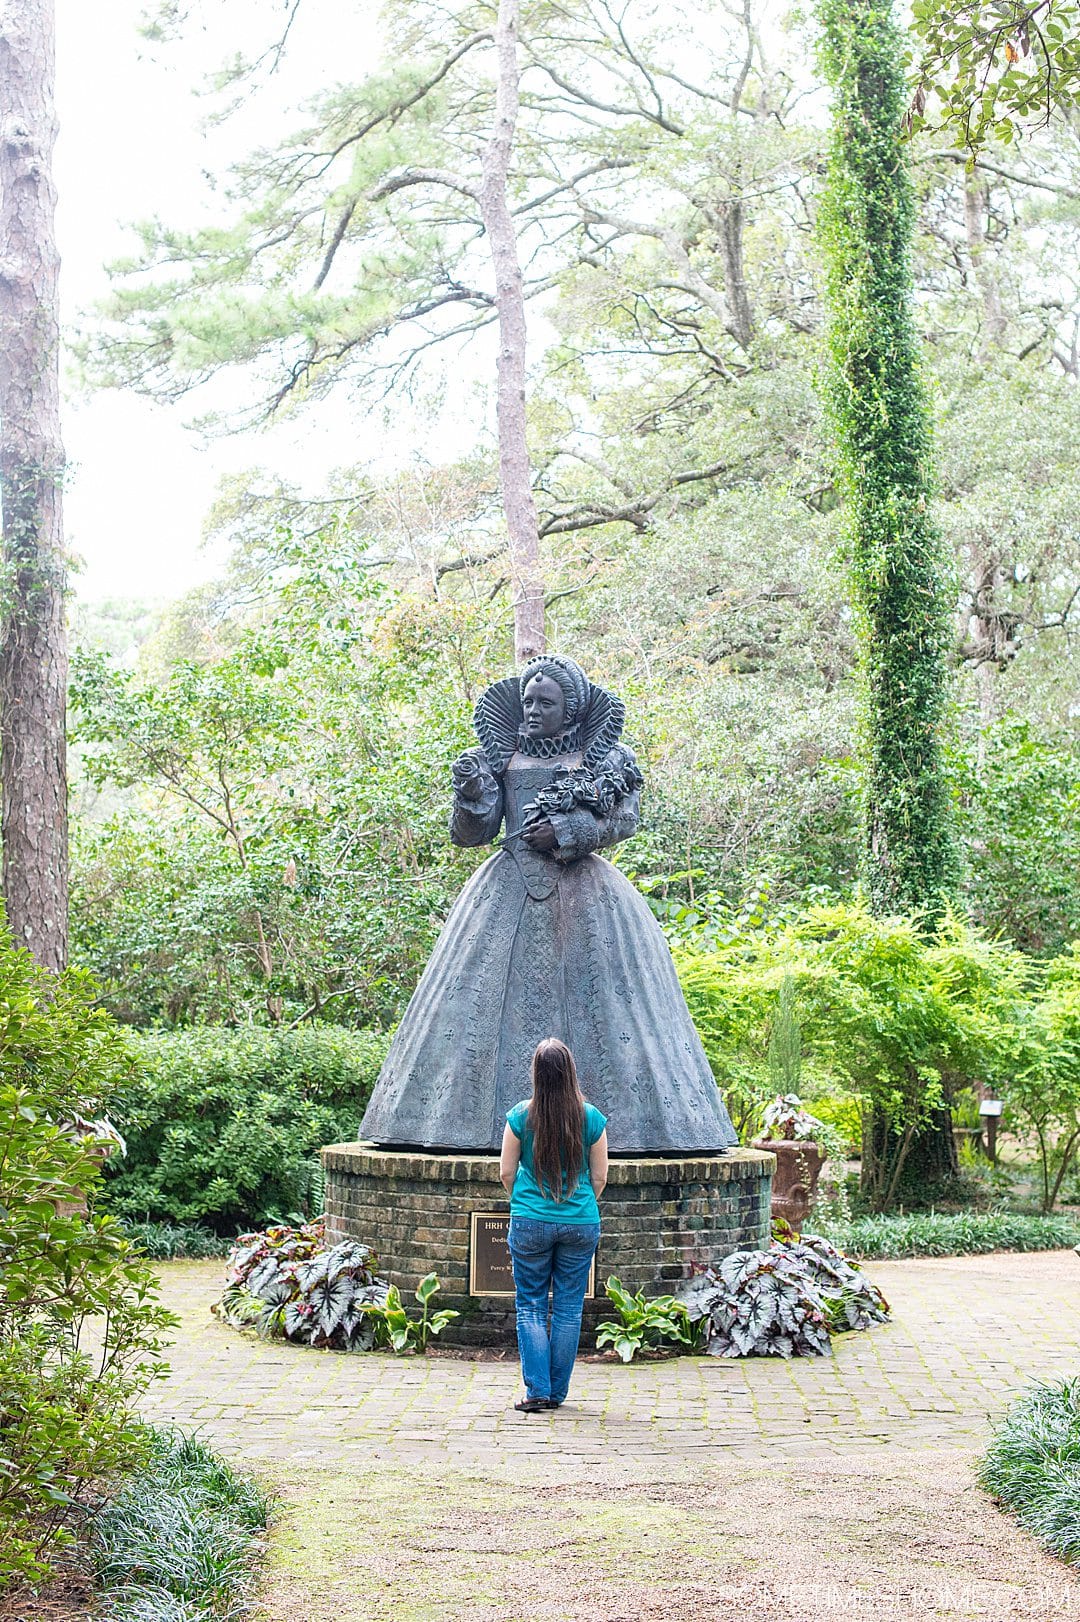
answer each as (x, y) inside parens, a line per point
(335, 243)
(661, 119)
(423, 177)
(635, 512)
(1040, 183)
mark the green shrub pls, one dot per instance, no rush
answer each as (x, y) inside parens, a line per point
(894, 1019)
(1033, 1465)
(176, 1542)
(842, 1114)
(224, 1128)
(942, 1233)
(1043, 1093)
(80, 1331)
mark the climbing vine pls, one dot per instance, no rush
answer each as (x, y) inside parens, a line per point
(880, 418)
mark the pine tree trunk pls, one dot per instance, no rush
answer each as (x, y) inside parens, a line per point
(33, 644)
(514, 470)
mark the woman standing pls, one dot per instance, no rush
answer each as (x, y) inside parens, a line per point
(554, 1165)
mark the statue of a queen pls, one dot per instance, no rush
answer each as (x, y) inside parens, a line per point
(548, 939)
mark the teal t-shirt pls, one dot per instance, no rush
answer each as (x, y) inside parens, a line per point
(528, 1199)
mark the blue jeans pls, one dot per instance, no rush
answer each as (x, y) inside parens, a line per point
(550, 1258)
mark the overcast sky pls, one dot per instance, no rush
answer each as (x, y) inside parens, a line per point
(132, 145)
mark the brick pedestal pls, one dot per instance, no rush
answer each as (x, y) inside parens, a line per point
(659, 1217)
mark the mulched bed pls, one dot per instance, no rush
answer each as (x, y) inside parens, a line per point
(69, 1597)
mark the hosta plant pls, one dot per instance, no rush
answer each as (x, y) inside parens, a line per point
(662, 1324)
(393, 1328)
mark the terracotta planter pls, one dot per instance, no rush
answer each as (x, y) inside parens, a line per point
(77, 1206)
(798, 1167)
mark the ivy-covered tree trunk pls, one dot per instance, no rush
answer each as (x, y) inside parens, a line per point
(881, 424)
(33, 648)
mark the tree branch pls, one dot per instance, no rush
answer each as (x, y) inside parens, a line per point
(423, 177)
(1057, 186)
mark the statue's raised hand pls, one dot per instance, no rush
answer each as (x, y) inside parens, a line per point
(469, 776)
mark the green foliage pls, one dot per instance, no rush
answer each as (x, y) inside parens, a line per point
(286, 853)
(1020, 814)
(660, 1324)
(66, 1390)
(841, 1115)
(1032, 1466)
(895, 1021)
(1043, 1092)
(224, 1127)
(995, 71)
(169, 1241)
(395, 1331)
(942, 1233)
(784, 1054)
(177, 1541)
(881, 422)
(286, 1284)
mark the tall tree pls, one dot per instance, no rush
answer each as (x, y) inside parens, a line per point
(486, 157)
(33, 648)
(881, 422)
(515, 474)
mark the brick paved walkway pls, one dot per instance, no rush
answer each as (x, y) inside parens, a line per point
(966, 1332)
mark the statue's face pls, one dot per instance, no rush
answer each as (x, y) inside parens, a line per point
(544, 707)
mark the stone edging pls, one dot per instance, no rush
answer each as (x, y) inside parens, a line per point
(730, 1166)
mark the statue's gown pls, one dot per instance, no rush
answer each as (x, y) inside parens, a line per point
(547, 945)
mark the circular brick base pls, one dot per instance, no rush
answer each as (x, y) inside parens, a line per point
(660, 1218)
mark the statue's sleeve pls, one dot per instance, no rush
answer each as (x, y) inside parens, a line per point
(581, 831)
(475, 821)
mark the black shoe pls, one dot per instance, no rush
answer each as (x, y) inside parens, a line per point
(551, 1403)
(533, 1405)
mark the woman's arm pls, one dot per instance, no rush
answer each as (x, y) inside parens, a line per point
(510, 1158)
(598, 1164)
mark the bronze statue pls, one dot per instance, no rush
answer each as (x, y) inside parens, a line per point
(548, 939)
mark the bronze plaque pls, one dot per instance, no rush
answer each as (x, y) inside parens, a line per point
(491, 1271)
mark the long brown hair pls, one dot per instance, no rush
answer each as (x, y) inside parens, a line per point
(556, 1119)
